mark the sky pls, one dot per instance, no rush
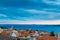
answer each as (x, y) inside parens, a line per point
(30, 11)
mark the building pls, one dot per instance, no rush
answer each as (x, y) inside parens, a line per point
(1, 30)
(43, 35)
(58, 38)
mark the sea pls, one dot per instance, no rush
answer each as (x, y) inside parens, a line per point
(48, 28)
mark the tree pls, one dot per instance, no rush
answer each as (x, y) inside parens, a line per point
(3, 27)
(52, 33)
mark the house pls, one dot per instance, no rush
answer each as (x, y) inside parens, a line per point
(1, 30)
(43, 35)
(58, 38)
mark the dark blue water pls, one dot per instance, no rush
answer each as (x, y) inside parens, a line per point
(49, 28)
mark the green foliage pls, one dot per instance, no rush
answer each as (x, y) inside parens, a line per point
(3, 27)
(52, 33)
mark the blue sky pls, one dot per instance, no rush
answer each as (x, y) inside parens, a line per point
(29, 10)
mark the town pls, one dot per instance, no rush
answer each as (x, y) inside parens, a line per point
(23, 34)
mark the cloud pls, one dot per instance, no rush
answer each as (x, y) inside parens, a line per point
(56, 2)
(3, 15)
(30, 22)
(29, 11)
(35, 11)
(52, 10)
(45, 14)
(44, 11)
(22, 14)
(9, 21)
(39, 17)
